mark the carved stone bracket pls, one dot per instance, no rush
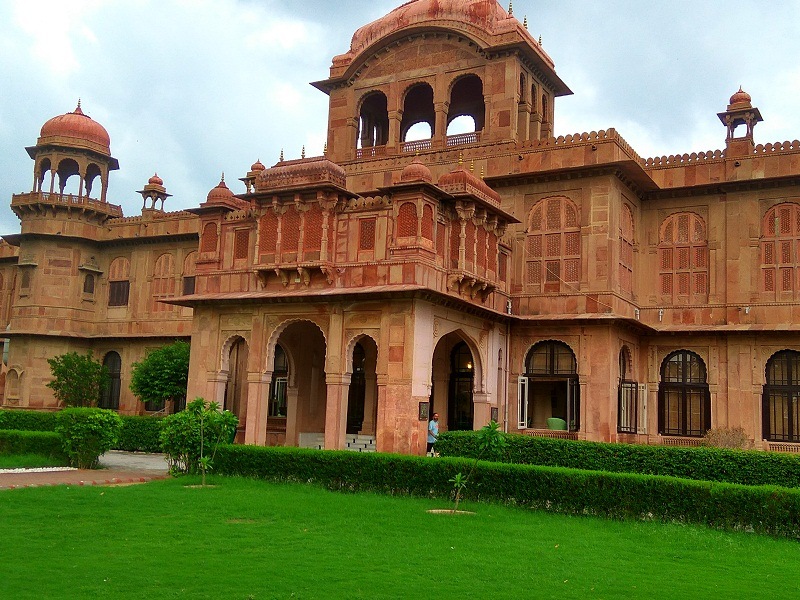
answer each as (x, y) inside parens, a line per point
(298, 273)
(469, 285)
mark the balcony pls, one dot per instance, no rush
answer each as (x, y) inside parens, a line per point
(34, 199)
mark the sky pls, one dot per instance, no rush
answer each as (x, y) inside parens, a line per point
(194, 88)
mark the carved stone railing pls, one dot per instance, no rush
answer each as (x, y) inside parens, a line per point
(462, 139)
(371, 151)
(66, 200)
(417, 146)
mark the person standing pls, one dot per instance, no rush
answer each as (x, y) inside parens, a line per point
(433, 433)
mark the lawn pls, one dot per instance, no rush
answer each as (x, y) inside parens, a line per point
(29, 461)
(247, 539)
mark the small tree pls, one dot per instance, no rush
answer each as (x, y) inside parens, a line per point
(162, 375)
(87, 434)
(190, 438)
(77, 379)
(490, 445)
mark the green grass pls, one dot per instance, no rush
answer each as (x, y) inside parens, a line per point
(29, 461)
(248, 539)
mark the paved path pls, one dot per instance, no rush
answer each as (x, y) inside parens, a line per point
(117, 468)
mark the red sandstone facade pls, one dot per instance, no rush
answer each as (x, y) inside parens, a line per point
(564, 286)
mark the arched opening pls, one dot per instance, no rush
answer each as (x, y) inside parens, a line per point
(460, 407)
(684, 400)
(67, 184)
(362, 396)
(42, 171)
(780, 411)
(92, 173)
(304, 347)
(373, 121)
(453, 376)
(277, 408)
(418, 108)
(466, 99)
(109, 395)
(549, 394)
(419, 132)
(236, 385)
(460, 125)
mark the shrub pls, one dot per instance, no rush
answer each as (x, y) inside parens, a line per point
(27, 420)
(722, 437)
(77, 379)
(87, 433)
(195, 433)
(140, 434)
(46, 443)
(749, 467)
(765, 509)
(162, 375)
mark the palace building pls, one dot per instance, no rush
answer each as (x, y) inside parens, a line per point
(563, 286)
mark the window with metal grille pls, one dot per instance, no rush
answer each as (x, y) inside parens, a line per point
(627, 405)
(684, 400)
(366, 234)
(781, 394)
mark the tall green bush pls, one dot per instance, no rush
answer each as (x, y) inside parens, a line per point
(162, 375)
(77, 379)
(746, 467)
(87, 433)
(140, 434)
(191, 435)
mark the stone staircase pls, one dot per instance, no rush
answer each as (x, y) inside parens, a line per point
(352, 442)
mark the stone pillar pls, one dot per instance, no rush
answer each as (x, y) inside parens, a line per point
(370, 404)
(292, 437)
(338, 386)
(257, 408)
(395, 117)
(216, 386)
(482, 412)
(440, 124)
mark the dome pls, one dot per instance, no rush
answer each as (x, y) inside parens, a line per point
(155, 180)
(416, 171)
(257, 166)
(482, 14)
(461, 181)
(76, 128)
(740, 98)
(221, 193)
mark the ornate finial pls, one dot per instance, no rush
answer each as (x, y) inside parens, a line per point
(222, 179)
(78, 110)
(281, 158)
(483, 173)
(525, 22)
(540, 40)
(303, 152)
(511, 9)
(460, 159)
(472, 166)
(325, 149)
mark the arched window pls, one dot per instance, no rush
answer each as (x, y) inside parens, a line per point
(780, 410)
(163, 285)
(109, 396)
(683, 258)
(279, 384)
(119, 284)
(553, 246)
(466, 99)
(373, 122)
(780, 245)
(189, 273)
(209, 239)
(684, 401)
(418, 108)
(549, 394)
(626, 250)
(88, 284)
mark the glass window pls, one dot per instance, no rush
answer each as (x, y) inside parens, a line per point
(684, 398)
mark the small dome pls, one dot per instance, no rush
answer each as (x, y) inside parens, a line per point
(416, 171)
(257, 166)
(76, 126)
(155, 180)
(740, 98)
(221, 193)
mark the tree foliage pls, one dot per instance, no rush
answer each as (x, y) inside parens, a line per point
(163, 374)
(87, 433)
(77, 379)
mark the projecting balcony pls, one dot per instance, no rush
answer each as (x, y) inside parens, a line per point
(35, 201)
(412, 147)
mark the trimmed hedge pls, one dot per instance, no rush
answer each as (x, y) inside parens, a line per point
(140, 434)
(27, 420)
(47, 443)
(765, 509)
(746, 467)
